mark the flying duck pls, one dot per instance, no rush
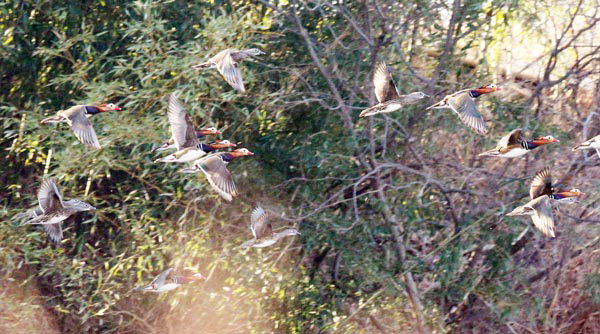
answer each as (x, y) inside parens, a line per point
(226, 63)
(210, 131)
(214, 166)
(514, 145)
(262, 230)
(77, 118)
(183, 133)
(591, 143)
(53, 210)
(539, 207)
(463, 104)
(160, 283)
(387, 94)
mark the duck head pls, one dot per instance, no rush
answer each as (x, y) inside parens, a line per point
(240, 152)
(545, 140)
(210, 131)
(255, 52)
(108, 107)
(571, 196)
(220, 144)
(80, 205)
(487, 89)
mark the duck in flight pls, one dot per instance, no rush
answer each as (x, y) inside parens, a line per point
(262, 230)
(463, 104)
(226, 63)
(542, 194)
(514, 145)
(183, 133)
(214, 167)
(167, 282)
(53, 210)
(387, 94)
(77, 118)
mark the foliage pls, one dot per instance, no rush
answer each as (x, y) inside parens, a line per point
(382, 204)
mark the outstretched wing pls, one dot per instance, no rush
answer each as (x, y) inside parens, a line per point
(541, 184)
(55, 232)
(542, 216)
(182, 127)
(82, 128)
(49, 197)
(259, 223)
(465, 107)
(230, 70)
(218, 176)
(385, 88)
(161, 278)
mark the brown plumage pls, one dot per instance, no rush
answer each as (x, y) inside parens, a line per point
(226, 63)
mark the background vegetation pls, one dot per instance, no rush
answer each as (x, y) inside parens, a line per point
(403, 227)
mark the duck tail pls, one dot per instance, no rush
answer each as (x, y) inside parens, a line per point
(441, 104)
(202, 66)
(53, 119)
(189, 170)
(367, 112)
(490, 153)
(168, 158)
(160, 148)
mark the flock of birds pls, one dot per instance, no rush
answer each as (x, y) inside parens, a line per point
(53, 210)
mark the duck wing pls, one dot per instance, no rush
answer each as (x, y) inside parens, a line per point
(49, 197)
(542, 216)
(81, 126)
(259, 223)
(161, 278)
(230, 70)
(385, 88)
(182, 127)
(218, 176)
(515, 137)
(464, 105)
(55, 231)
(541, 184)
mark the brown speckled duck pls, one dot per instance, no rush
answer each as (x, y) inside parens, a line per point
(53, 210)
(262, 230)
(226, 63)
(387, 94)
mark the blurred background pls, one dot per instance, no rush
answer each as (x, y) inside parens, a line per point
(402, 225)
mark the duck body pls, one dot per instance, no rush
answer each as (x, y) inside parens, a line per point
(77, 118)
(387, 94)
(226, 62)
